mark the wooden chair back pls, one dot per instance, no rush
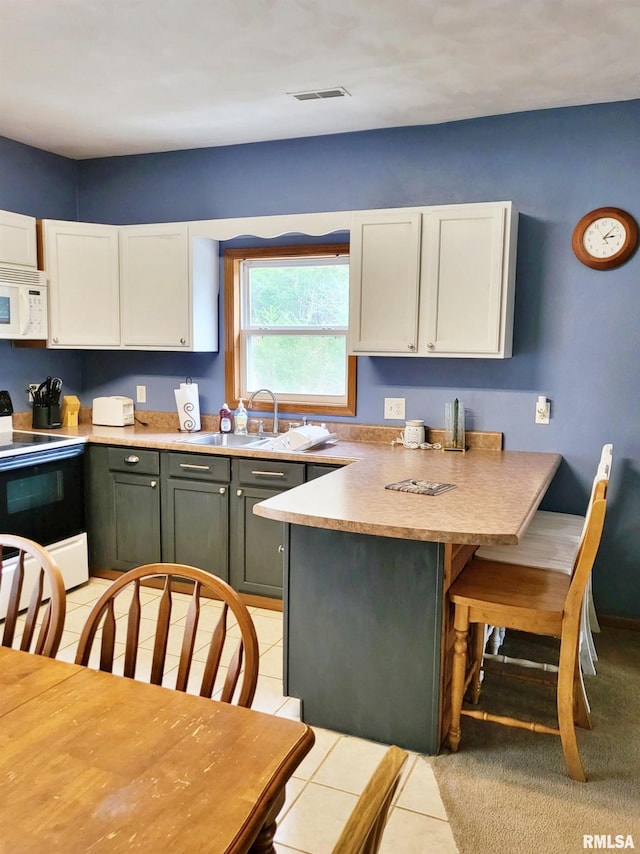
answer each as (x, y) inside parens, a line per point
(25, 581)
(212, 641)
(586, 555)
(362, 834)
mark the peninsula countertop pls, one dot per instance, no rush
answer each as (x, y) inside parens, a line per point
(495, 496)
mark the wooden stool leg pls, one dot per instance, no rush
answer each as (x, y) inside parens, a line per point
(566, 681)
(458, 672)
(477, 653)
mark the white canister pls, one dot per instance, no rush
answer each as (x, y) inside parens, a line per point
(414, 431)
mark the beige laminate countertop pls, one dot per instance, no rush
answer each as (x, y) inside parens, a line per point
(496, 494)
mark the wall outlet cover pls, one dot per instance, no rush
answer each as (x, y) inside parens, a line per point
(394, 408)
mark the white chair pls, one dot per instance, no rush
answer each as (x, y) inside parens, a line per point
(552, 542)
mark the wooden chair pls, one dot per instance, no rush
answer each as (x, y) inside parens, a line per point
(242, 652)
(534, 600)
(32, 569)
(363, 831)
(552, 542)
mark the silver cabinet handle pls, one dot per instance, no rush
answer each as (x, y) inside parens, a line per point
(194, 467)
(55, 340)
(430, 345)
(281, 549)
(132, 460)
(222, 490)
(153, 484)
(238, 492)
(183, 340)
(269, 473)
(412, 346)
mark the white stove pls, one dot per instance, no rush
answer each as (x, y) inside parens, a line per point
(41, 495)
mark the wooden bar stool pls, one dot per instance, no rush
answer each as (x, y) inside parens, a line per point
(534, 600)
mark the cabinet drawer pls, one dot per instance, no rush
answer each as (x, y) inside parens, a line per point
(269, 472)
(200, 467)
(315, 470)
(134, 459)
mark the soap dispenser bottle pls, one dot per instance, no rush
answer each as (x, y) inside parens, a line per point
(241, 419)
(226, 419)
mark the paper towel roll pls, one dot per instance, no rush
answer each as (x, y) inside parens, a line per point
(188, 406)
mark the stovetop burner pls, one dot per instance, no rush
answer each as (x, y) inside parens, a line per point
(16, 440)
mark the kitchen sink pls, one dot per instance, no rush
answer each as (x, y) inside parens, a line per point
(226, 440)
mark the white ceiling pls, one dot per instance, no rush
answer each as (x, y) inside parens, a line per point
(93, 78)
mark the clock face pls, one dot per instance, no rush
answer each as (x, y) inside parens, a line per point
(604, 237)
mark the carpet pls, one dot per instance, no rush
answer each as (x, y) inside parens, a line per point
(506, 790)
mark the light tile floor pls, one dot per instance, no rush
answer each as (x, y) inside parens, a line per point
(325, 787)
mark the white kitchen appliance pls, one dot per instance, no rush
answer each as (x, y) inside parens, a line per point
(23, 304)
(41, 497)
(114, 411)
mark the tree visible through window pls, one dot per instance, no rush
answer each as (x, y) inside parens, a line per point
(287, 320)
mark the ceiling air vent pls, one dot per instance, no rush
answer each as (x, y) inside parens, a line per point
(315, 94)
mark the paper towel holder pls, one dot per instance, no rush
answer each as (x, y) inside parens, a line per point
(188, 406)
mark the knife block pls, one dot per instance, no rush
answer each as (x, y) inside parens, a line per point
(70, 410)
(46, 417)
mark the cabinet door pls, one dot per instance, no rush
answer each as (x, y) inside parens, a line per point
(136, 503)
(18, 239)
(81, 261)
(195, 525)
(257, 545)
(463, 305)
(384, 276)
(154, 275)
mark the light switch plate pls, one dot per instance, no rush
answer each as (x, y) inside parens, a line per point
(141, 394)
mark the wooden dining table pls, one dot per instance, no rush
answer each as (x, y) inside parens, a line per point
(94, 762)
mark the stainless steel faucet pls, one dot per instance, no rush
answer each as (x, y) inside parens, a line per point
(275, 405)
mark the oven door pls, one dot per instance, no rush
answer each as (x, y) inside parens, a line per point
(41, 495)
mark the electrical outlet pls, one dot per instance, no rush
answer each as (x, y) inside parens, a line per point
(31, 390)
(141, 394)
(394, 407)
(543, 410)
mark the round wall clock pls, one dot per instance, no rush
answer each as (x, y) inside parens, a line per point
(605, 238)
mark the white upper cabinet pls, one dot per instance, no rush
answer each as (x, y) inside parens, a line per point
(154, 279)
(384, 282)
(169, 288)
(144, 287)
(18, 243)
(81, 262)
(455, 267)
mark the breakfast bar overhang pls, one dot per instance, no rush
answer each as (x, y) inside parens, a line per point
(367, 627)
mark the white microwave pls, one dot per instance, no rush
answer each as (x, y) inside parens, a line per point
(23, 304)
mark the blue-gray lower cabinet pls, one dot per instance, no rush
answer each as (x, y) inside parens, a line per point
(362, 634)
(123, 507)
(195, 511)
(257, 544)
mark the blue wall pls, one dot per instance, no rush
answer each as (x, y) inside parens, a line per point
(576, 330)
(39, 184)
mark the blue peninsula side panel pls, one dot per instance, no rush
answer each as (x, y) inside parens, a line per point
(363, 618)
